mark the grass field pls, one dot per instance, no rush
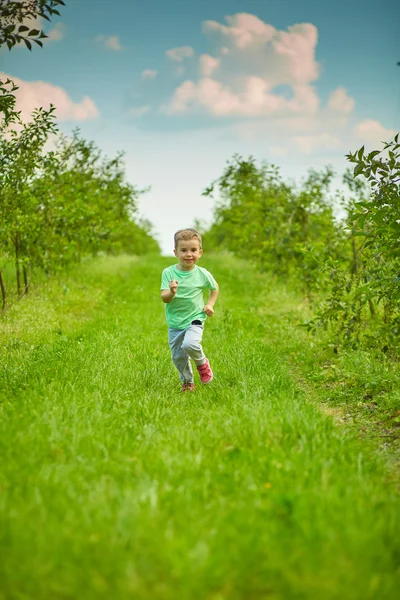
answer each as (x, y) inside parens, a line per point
(113, 484)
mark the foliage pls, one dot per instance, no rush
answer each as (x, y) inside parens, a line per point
(59, 205)
(283, 229)
(368, 291)
(350, 267)
(8, 113)
(20, 159)
(14, 14)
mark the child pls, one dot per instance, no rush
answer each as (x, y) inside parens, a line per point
(182, 288)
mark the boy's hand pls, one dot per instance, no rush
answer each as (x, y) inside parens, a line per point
(173, 286)
(209, 310)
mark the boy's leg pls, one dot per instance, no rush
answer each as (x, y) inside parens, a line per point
(180, 357)
(191, 344)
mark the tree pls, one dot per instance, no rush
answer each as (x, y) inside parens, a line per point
(20, 159)
(364, 300)
(60, 205)
(7, 104)
(13, 14)
(281, 228)
(13, 17)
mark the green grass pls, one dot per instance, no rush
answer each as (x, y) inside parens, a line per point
(360, 387)
(115, 485)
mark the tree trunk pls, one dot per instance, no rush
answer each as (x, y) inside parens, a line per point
(17, 265)
(3, 292)
(26, 280)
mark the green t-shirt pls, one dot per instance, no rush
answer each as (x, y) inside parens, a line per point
(188, 303)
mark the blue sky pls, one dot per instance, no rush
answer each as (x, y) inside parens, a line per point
(181, 86)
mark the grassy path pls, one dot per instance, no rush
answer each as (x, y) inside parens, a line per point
(114, 485)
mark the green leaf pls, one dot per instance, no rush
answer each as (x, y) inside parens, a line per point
(372, 155)
(358, 170)
(34, 32)
(360, 222)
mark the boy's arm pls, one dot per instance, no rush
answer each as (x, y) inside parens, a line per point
(212, 298)
(168, 295)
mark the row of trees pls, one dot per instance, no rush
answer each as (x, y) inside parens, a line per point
(58, 204)
(348, 267)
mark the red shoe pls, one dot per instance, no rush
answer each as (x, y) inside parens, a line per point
(187, 387)
(206, 374)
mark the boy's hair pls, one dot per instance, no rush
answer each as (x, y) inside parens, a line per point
(186, 234)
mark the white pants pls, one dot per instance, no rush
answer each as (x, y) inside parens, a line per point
(185, 344)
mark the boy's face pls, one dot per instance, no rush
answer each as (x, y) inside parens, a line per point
(188, 253)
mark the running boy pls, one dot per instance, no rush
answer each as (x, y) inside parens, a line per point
(182, 288)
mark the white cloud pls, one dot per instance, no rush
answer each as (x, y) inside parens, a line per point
(208, 64)
(36, 94)
(278, 151)
(179, 54)
(340, 101)
(309, 143)
(138, 111)
(149, 74)
(56, 34)
(319, 135)
(372, 132)
(111, 42)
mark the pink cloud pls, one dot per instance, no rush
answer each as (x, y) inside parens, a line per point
(56, 34)
(340, 101)
(208, 64)
(111, 42)
(243, 30)
(253, 100)
(149, 74)
(179, 54)
(372, 132)
(253, 59)
(308, 143)
(35, 94)
(297, 46)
